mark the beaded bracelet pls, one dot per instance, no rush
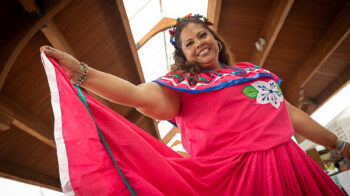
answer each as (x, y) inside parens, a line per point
(340, 152)
(339, 145)
(79, 77)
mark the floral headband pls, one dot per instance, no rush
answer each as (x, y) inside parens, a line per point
(178, 20)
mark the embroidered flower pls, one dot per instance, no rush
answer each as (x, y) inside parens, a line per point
(264, 92)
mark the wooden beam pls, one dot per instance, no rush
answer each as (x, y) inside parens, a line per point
(184, 154)
(176, 143)
(30, 6)
(213, 11)
(327, 74)
(298, 138)
(5, 122)
(131, 41)
(134, 116)
(24, 120)
(333, 88)
(162, 25)
(273, 24)
(21, 174)
(301, 97)
(170, 135)
(133, 48)
(309, 101)
(335, 35)
(19, 30)
(55, 37)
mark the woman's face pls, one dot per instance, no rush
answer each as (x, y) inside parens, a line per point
(200, 46)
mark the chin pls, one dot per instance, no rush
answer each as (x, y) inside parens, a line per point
(206, 63)
(206, 67)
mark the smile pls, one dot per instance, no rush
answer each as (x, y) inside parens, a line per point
(203, 52)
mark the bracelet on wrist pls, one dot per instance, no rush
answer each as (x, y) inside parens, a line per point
(79, 77)
(340, 146)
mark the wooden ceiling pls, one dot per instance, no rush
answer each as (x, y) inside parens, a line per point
(307, 45)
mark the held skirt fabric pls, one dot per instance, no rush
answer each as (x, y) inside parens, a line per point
(238, 142)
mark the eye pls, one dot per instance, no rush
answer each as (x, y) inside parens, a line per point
(203, 35)
(189, 43)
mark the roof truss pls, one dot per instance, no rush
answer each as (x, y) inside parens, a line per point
(273, 24)
(336, 34)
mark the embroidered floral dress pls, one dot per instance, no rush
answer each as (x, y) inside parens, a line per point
(234, 126)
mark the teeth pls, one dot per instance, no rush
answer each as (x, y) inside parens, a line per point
(203, 51)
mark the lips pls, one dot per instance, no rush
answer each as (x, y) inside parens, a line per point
(203, 51)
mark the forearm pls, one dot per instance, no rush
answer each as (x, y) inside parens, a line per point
(149, 98)
(112, 88)
(305, 126)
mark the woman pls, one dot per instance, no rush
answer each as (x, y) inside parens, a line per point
(235, 125)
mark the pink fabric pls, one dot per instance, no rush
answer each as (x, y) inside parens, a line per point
(236, 148)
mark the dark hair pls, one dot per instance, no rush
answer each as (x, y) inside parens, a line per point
(181, 65)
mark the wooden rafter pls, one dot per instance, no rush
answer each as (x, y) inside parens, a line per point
(176, 143)
(298, 138)
(134, 116)
(131, 41)
(184, 154)
(29, 5)
(5, 122)
(19, 32)
(56, 39)
(21, 174)
(170, 135)
(213, 12)
(273, 24)
(24, 120)
(337, 32)
(162, 25)
(133, 48)
(342, 80)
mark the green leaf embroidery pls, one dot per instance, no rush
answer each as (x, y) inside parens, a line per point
(250, 91)
(278, 88)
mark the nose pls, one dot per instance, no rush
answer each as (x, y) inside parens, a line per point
(199, 43)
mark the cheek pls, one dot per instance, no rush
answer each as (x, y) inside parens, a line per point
(189, 54)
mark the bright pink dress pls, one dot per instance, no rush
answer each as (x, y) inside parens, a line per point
(234, 126)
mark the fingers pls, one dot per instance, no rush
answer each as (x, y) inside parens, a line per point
(43, 48)
(52, 52)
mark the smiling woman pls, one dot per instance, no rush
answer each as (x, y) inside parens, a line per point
(198, 47)
(235, 123)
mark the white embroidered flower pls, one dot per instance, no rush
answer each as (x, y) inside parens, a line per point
(268, 93)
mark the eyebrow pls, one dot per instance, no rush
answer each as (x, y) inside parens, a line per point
(196, 35)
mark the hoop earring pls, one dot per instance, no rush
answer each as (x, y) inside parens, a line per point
(220, 46)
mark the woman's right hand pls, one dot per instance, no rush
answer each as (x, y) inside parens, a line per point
(69, 64)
